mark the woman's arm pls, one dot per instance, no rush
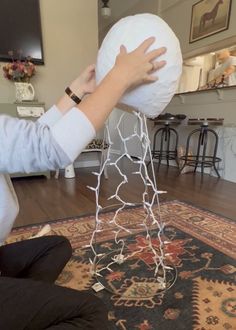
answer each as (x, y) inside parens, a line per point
(27, 147)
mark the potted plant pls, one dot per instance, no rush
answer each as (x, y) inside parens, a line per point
(20, 72)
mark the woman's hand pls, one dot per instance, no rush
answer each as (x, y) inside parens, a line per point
(130, 69)
(85, 83)
(138, 66)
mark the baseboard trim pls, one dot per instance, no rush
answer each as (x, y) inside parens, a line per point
(93, 162)
(86, 163)
(115, 152)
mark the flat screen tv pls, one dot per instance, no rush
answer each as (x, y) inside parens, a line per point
(20, 30)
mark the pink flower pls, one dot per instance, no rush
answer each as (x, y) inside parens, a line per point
(19, 70)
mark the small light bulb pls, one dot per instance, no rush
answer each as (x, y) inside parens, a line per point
(106, 12)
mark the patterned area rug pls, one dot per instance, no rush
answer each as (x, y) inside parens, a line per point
(202, 248)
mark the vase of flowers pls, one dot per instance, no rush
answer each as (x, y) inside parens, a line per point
(20, 72)
(24, 91)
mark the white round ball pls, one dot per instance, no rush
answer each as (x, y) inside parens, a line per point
(131, 31)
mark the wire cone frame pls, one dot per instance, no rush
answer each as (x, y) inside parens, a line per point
(106, 263)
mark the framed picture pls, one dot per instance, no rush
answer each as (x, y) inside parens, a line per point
(209, 17)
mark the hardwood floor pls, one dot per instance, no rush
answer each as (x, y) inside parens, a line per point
(42, 200)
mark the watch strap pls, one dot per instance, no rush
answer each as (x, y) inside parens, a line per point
(72, 95)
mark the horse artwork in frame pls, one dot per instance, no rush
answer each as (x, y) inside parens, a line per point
(209, 17)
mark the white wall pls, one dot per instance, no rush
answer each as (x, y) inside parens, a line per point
(177, 13)
(70, 42)
(123, 8)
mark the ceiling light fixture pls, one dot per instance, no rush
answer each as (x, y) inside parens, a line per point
(105, 10)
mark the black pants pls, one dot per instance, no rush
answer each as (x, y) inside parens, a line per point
(29, 300)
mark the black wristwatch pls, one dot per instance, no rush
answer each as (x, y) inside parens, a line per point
(72, 95)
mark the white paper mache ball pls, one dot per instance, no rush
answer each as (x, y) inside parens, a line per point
(150, 99)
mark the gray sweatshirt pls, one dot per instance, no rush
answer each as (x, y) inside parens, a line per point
(53, 142)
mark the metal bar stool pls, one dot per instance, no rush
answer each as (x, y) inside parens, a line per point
(201, 159)
(165, 135)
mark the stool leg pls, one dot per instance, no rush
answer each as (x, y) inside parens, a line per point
(185, 158)
(204, 143)
(161, 148)
(176, 145)
(168, 145)
(218, 174)
(215, 152)
(198, 150)
(154, 146)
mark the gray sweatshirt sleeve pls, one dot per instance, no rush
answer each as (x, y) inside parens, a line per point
(27, 146)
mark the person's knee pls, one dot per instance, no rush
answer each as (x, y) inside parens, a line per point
(64, 244)
(96, 308)
(67, 246)
(99, 305)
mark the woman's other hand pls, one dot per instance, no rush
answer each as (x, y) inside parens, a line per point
(139, 66)
(85, 83)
